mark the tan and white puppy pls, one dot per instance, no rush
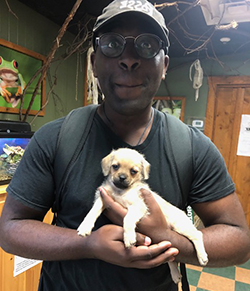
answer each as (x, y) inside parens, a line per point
(126, 170)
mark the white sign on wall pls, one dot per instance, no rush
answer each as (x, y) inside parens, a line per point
(22, 264)
(244, 138)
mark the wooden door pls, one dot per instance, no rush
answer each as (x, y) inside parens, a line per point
(229, 98)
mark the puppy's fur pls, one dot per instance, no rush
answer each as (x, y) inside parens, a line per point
(126, 171)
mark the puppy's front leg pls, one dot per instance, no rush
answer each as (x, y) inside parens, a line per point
(88, 223)
(132, 217)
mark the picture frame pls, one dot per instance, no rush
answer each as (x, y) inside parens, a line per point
(27, 64)
(172, 105)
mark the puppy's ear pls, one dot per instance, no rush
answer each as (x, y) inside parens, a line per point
(145, 169)
(106, 164)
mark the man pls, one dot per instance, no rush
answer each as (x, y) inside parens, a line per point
(130, 59)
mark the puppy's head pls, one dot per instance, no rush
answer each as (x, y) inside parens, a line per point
(125, 167)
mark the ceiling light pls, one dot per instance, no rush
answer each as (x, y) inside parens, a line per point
(225, 40)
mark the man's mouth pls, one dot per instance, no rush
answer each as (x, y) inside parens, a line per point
(128, 85)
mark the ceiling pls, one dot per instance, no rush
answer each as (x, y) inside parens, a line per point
(189, 33)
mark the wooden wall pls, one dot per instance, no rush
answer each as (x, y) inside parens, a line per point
(26, 281)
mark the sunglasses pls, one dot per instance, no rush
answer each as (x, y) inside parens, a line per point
(146, 45)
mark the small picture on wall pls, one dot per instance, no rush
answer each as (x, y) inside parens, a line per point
(171, 105)
(18, 65)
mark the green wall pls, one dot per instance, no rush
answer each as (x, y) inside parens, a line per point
(177, 81)
(35, 32)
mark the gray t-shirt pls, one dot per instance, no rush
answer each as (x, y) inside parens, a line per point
(33, 185)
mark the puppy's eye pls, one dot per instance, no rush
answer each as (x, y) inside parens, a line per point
(133, 172)
(115, 167)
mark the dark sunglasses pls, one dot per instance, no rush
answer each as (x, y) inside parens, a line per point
(146, 45)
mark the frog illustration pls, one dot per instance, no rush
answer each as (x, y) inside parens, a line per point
(11, 81)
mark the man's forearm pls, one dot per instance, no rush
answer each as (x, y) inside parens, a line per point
(225, 245)
(38, 240)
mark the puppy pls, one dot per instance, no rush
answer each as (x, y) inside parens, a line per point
(126, 170)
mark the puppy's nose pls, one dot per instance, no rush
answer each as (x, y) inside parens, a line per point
(122, 177)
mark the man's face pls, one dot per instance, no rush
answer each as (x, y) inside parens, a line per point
(129, 82)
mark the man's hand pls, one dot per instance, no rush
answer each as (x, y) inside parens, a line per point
(106, 244)
(153, 225)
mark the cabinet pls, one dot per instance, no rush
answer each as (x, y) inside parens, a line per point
(26, 281)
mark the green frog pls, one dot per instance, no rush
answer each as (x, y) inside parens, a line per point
(11, 82)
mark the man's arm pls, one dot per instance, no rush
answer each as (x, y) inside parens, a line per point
(23, 233)
(226, 234)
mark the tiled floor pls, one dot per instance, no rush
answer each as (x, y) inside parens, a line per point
(235, 278)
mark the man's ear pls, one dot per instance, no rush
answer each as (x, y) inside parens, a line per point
(166, 62)
(92, 59)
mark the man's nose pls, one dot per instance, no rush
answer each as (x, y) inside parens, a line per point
(129, 60)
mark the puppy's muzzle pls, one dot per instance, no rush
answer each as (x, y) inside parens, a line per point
(121, 181)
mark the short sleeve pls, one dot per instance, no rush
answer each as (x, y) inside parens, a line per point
(211, 180)
(33, 182)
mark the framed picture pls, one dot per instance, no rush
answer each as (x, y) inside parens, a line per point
(18, 65)
(172, 105)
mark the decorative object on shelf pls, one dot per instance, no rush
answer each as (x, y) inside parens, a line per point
(172, 105)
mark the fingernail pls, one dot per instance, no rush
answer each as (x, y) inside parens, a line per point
(147, 241)
(102, 191)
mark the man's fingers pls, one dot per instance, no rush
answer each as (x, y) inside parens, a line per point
(142, 240)
(154, 255)
(113, 210)
(149, 200)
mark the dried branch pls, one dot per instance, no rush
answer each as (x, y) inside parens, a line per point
(47, 100)
(203, 40)
(52, 53)
(215, 58)
(10, 10)
(202, 46)
(164, 5)
(176, 3)
(233, 25)
(26, 88)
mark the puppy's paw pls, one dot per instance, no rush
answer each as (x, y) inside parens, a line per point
(84, 229)
(129, 239)
(83, 233)
(203, 259)
(176, 277)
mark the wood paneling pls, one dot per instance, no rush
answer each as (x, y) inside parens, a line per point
(27, 281)
(229, 98)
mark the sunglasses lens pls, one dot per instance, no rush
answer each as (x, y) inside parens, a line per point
(147, 46)
(111, 45)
